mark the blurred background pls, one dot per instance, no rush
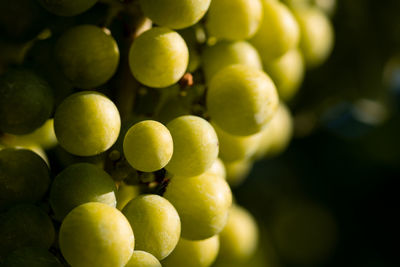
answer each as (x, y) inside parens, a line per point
(330, 199)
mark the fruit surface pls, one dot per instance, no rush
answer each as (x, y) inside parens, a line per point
(142, 259)
(31, 257)
(67, 7)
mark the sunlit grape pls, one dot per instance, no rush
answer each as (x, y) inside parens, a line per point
(142, 259)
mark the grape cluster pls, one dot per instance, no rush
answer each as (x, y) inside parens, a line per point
(123, 124)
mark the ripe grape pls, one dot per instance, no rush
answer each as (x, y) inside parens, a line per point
(234, 19)
(95, 234)
(195, 145)
(236, 171)
(31, 257)
(25, 225)
(24, 177)
(67, 7)
(87, 55)
(223, 54)
(202, 203)
(158, 57)
(81, 183)
(142, 259)
(278, 33)
(189, 253)
(175, 14)
(156, 224)
(148, 146)
(218, 169)
(125, 194)
(241, 100)
(26, 101)
(87, 123)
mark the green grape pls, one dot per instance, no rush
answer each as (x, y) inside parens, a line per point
(81, 183)
(317, 36)
(156, 224)
(237, 171)
(67, 7)
(175, 14)
(278, 33)
(172, 109)
(218, 169)
(195, 146)
(25, 225)
(193, 253)
(125, 194)
(148, 146)
(159, 57)
(234, 19)
(202, 203)
(87, 55)
(26, 101)
(87, 123)
(287, 72)
(24, 177)
(223, 54)
(95, 234)
(38, 150)
(241, 100)
(31, 257)
(233, 147)
(327, 6)
(142, 259)
(239, 237)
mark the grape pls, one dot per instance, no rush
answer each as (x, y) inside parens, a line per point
(287, 72)
(87, 123)
(172, 109)
(202, 203)
(223, 54)
(125, 194)
(142, 259)
(25, 225)
(31, 257)
(158, 57)
(239, 237)
(237, 171)
(95, 234)
(81, 183)
(234, 147)
(278, 33)
(218, 169)
(67, 7)
(26, 101)
(156, 224)
(317, 35)
(234, 19)
(193, 253)
(175, 14)
(87, 55)
(241, 100)
(148, 146)
(24, 177)
(195, 146)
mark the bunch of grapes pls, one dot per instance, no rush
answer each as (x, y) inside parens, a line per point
(124, 123)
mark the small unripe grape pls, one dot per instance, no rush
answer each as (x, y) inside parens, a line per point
(287, 72)
(87, 55)
(26, 101)
(24, 177)
(218, 168)
(67, 7)
(81, 183)
(237, 171)
(190, 253)
(156, 224)
(31, 257)
(234, 19)
(278, 33)
(195, 145)
(317, 36)
(223, 54)
(202, 203)
(239, 237)
(25, 225)
(241, 100)
(95, 234)
(87, 123)
(148, 146)
(158, 57)
(142, 259)
(175, 14)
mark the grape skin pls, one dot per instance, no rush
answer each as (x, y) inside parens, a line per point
(32, 257)
(67, 7)
(142, 259)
